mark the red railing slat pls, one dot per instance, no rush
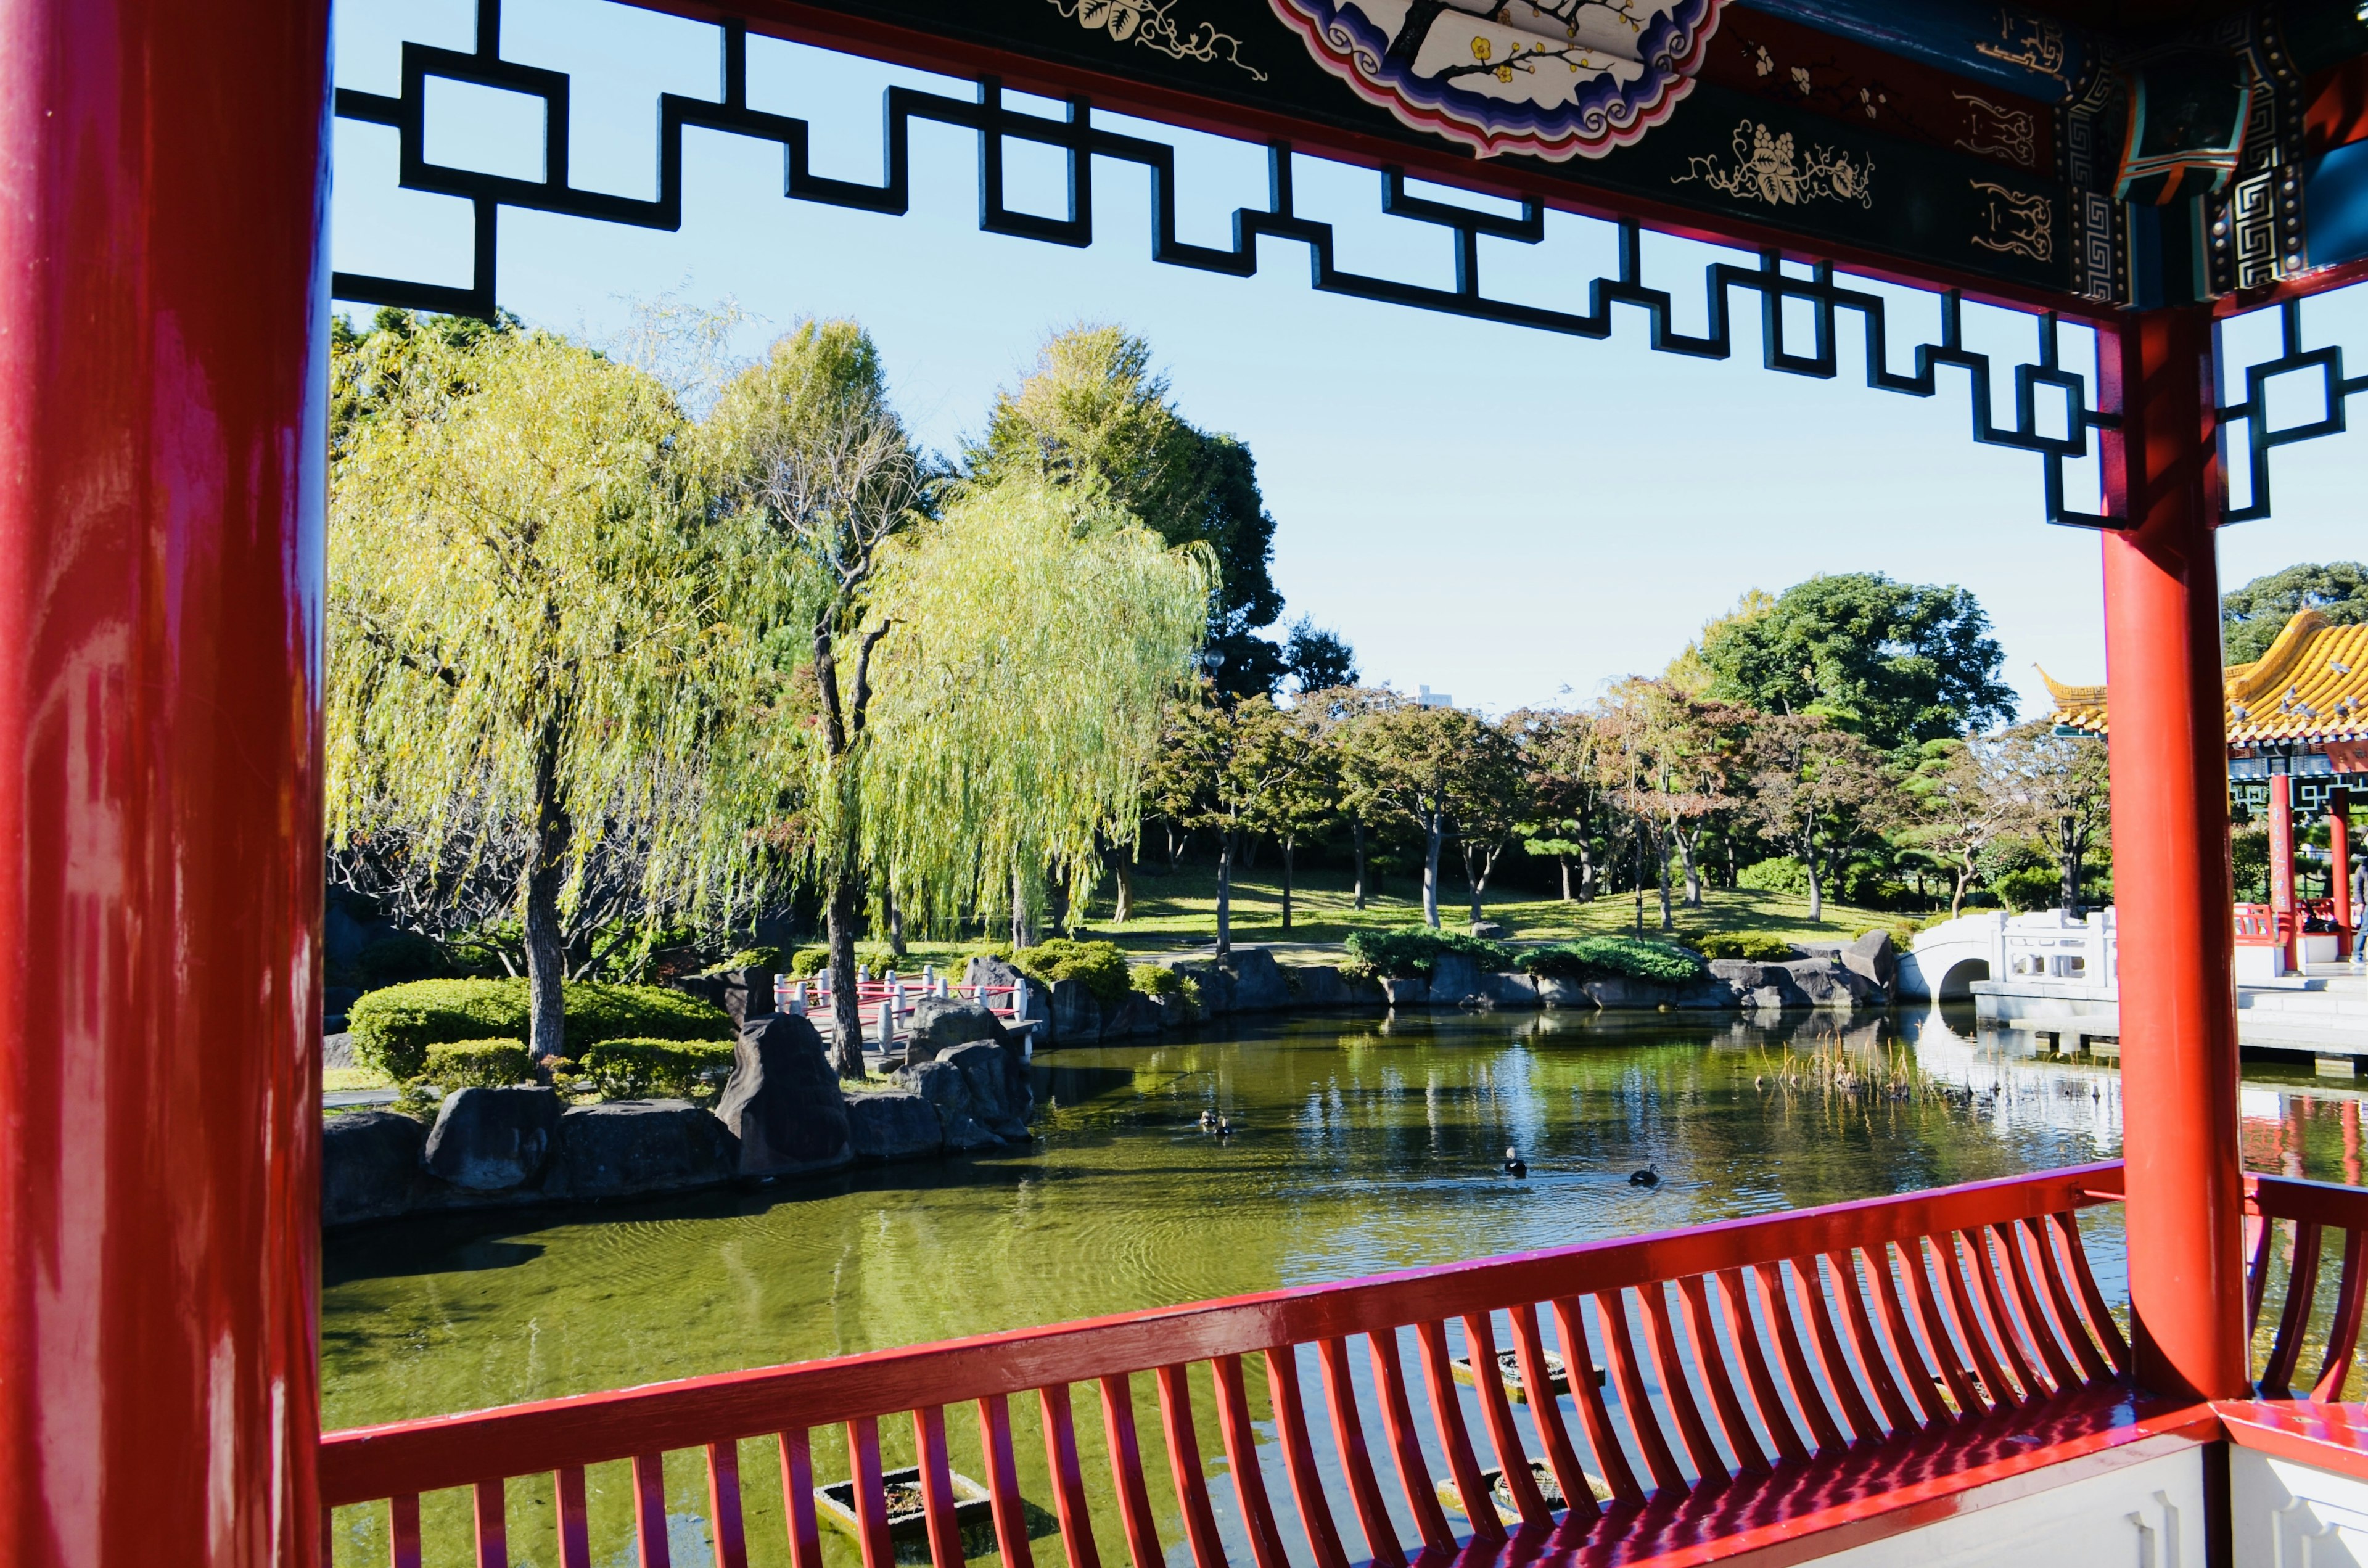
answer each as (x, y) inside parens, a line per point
(1949, 1358)
(2343, 1331)
(1670, 1365)
(650, 1512)
(1635, 1399)
(2101, 1316)
(725, 1521)
(1299, 1459)
(1002, 1483)
(2032, 1312)
(1957, 1306)
(1841, 1376)
(1068, 1477)
(937, 1486)
(1998, 1314)
(1184, 1467)
(1711, 1356)
(1546, 1410)
(1791, 1361)
(1496, 1414)
(1234, 1417)
(1446, 1421)
(1126, 1469)
(2257, 1230)
(1356, 1461)
(1849, 1297)
(1758, 1370)
(2302, 1288)
(797, 1501)
(870, 1506)
(1406, 1445)
(1603, 1437)
(402, 1530)
(2068, 1321)
(490, 1516)
(1917, 1372)
(570, 1521)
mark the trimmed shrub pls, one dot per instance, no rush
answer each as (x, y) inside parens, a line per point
(1594, 958)
(1757, 946)
(636, 1069)
(394, 1028)
(1410, 950)
(749, 958)
(477, 1064)
(1153, 979)
(1780, 873)
(1101, 967)
(2030, 888)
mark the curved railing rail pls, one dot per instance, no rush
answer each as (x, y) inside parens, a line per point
(1732, 1352)
(2310, 1218)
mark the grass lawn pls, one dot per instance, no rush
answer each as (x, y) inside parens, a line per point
(1176, 911)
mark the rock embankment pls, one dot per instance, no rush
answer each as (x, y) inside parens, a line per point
(783, 1113)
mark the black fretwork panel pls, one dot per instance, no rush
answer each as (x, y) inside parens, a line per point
(2253, 410)
(1082, 141)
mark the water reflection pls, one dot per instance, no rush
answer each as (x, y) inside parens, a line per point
(1363, 1145)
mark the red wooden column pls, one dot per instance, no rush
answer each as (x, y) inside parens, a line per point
(2284, 922)
(2171, 862)
(2339, 869)
(162, 307)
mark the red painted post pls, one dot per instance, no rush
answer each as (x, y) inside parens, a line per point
(2339, 869)
(2282, 922)
(162, 311)
(2171, 862)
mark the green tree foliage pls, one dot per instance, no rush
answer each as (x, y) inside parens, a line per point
(1813, 786)
(1960, 797)
(530, 666)
(2061, 787)
(1446, 771)
(1093, 408)
(1895, 663)
(1317, 660)
(1219, 765)
(1562, 761)
(2251, 617)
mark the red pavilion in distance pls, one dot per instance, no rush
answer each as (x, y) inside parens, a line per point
(1936, 1377)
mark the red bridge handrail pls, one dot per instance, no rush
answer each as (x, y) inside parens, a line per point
(2309, 1209)
(2051, 1317)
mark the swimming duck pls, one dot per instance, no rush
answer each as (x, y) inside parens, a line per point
(1225, 1128)
(1514, 1164)
(1649, 1177)
(1207, 1121)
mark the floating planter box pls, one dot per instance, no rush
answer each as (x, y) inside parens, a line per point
(908, 1523)
(1452, 1497)
(1509, 1367)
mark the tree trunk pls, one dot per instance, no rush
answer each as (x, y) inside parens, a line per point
(1287, 847)
(1023, 926)
(1587, 878)
(1957, 899)
(546, 944)
(2075, 844)
(896, 917)
(1475, 879)
(1563, 861)
(840, 917)
(1225, 893)
(1357, 835)
(1661, 876)
(1434, 834)
(1693, 871)
(1816, 888)
(1122, 876)
(1640, 880)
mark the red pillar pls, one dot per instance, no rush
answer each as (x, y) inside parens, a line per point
(163, 303)
(2171, 862)
(2283, 920)
(2338, 867)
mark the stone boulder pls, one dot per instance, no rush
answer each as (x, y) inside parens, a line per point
(1318, 986)
(940, 1023)
(1076, 1014)
(744, 994)
(1872, 958)
(782, 1101)
(1216, 983)
(1454, 979)
(894, 1125)
(1827, 983)
(1134, 1019)
(998, 1102)
(1410, 991)
(1490, 930)
(1508, 989)
(992, 973)
(1169, 1011)
(369, 1165)
(1364, 991)
(1554, 991)
(946, 1088)
(493, 1140)
(1758, 986)
(1258, 985)
(629, 1147)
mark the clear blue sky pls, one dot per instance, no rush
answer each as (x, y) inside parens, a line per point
(1507, 516)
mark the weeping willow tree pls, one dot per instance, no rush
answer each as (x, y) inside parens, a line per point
(1040, 634)
(532, 651)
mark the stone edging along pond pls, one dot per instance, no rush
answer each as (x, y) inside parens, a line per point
(784, 1112)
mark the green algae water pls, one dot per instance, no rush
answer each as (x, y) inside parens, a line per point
(1364, 1144)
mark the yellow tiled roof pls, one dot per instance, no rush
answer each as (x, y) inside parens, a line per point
(2311, 686)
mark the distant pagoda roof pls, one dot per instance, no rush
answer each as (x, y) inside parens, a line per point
(2311, 686)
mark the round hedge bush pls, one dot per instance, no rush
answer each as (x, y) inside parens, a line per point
(392, 1029)
(636, 1069)
(477, 1064)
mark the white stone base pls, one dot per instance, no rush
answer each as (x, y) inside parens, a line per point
(2295, 1516)
(2148, 1516)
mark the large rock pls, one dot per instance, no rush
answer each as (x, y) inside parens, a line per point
(1134, 1019)
(369, 1165)
(946, 1088)
(940, 1023)
(1554, 991)
(493, 1140)
(1258, 985)
(991, 973)
(894, 1125)
(1318, 986)
(1215, 983)
(1364, 991)
(1872, 958)
(1505, 989)
(999, 1101)
(629, 1147)
(782, 1101)
(1827, 983)
(1412, 990)
(1489, 930)
(744, 994)
(1454, 979)
(1077, 1015)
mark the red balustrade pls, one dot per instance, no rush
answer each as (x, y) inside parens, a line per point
(1717, 1377)
(2301, 1214)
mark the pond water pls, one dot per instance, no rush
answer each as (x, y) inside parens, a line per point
(1365, 1144)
